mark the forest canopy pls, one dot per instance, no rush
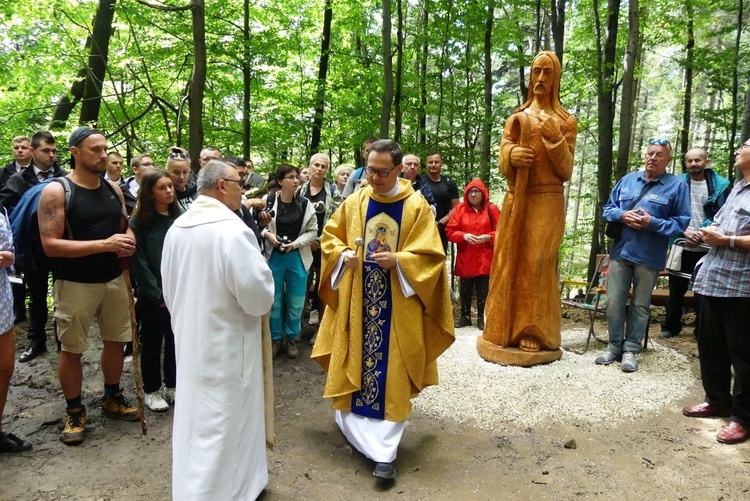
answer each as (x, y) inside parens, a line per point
(278, 80)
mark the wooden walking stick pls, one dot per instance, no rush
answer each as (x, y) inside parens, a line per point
(519, 131)
(125, 264)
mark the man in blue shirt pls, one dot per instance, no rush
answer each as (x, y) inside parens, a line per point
(652, 206)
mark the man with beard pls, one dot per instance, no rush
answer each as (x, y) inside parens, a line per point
(88, 277)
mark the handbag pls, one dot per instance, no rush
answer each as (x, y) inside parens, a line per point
(614, 228)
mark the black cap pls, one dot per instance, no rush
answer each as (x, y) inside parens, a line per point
(80, 134)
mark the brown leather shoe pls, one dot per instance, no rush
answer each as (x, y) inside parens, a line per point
(705, 409)
(733, 433)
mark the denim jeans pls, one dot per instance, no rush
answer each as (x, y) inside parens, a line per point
(621, 275)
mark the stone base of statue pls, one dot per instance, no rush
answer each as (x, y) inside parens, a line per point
(515, 356)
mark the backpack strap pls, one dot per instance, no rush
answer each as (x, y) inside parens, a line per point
(65, 182)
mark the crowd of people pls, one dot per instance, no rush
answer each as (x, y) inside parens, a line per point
(369, 263)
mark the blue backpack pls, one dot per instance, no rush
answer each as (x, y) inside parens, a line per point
(25, 226)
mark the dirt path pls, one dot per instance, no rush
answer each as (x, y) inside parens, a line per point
(660, 455)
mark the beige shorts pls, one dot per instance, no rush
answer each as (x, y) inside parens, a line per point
(77, 303)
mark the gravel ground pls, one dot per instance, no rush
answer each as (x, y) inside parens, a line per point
(572, 389)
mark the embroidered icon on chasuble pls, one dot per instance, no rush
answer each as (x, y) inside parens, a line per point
(381, 234)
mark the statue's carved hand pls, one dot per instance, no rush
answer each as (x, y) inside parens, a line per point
(521, 157)
(550, 128)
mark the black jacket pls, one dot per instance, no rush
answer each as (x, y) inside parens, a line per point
(19, 182)
(6, 172)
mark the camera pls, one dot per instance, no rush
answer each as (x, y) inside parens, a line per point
(283, 240)
(319, 207)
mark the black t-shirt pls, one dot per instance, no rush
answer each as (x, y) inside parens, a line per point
(92, 215)
(289, 218)
(320, 197)
(443, 191)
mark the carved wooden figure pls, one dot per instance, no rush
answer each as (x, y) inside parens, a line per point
(536, 156)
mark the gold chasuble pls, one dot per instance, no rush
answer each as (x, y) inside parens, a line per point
(379, 347)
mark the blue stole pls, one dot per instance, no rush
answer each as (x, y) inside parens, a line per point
(381, 234)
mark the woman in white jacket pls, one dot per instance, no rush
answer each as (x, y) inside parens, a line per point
(288, 236)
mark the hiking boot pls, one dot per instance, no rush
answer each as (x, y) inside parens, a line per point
(606, 359)
(463, 322)
(118, 407)
(11, 443)
(314, 317)
(629, 362)
(74, 429)
(275, 348)
(665, 334)
(155, 402)
(291, 349)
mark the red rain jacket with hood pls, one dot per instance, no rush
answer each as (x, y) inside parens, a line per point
(473, 260)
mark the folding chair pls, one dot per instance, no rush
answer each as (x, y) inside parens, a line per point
(595, 298)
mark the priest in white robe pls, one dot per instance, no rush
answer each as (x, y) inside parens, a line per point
(217, 287)
(389, 313)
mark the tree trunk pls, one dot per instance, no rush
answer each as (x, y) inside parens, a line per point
(485, 161)
(735, 88)
(385, 111)
(627, 107)
(197, 81)
(688, 100)
(605, 62)
(558, 26)
(399, 70)
(97, 66)
(246, 79)
(67, 103)
(422, 73)
(320, 94)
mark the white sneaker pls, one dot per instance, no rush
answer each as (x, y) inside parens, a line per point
(314, 318)
(155, 402)
(169, 395)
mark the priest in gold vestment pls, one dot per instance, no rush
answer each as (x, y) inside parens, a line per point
(388, 314)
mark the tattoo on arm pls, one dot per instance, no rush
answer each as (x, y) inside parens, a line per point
(49, 226)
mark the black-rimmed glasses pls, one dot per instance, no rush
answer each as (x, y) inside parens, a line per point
(379, 173)
(238, 181)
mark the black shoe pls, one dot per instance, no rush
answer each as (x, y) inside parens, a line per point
(11, 443)
(384, 470)
(665, 334)
(127, 349)
(463, 322)
(33, 351)
(20, 317)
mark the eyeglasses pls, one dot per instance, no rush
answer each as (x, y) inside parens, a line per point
(660, 141)
(146, 164)
(178, 153)
(238, 181)
(380, 173)
(292, 177)
(474, 192)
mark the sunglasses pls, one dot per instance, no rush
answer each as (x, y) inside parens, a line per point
(660, 141)
(177, 153)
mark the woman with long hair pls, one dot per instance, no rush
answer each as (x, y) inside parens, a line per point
(325, 200)
(154, 214)
(288, 237)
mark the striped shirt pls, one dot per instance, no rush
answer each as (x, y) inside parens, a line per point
(725, 271)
